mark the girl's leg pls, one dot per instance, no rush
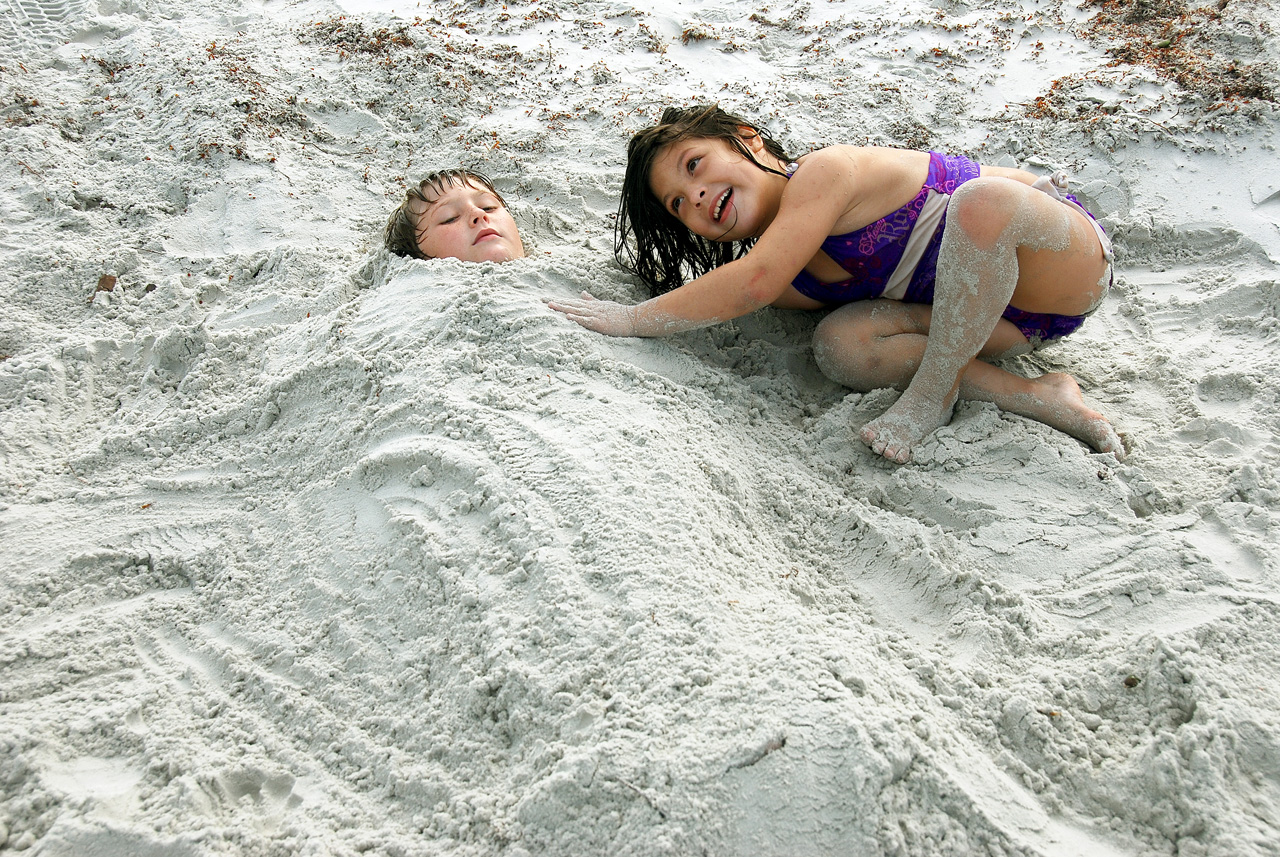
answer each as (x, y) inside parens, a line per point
(995, 227)
(872, 344)
(880, 343)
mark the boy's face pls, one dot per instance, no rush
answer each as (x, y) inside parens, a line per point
(468, 222)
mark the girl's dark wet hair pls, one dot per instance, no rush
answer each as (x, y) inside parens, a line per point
(401, 233)
(648, 240)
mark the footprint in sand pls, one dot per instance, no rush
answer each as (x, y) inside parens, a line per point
(41, 21)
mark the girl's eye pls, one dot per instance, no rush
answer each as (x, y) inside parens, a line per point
(675, 204)
(450, 220)
(693, 164)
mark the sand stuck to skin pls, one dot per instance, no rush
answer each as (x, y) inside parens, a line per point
(308, 550)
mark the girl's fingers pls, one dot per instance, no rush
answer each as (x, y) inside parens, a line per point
(578, 314)
(607, 317)
(585, 307)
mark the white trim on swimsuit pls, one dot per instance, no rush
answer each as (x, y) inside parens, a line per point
(935, 206)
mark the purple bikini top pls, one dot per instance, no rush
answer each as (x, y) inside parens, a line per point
(871, 254)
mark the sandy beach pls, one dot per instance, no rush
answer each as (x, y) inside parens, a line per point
(306, 549)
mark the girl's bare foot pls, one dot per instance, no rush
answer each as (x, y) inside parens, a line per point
(901, 428)
(1058, 402)
(1053, 399)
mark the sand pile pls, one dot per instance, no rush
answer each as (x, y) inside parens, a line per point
(312, 551)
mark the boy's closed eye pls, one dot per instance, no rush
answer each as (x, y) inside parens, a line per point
(450, 214)
(446, 213)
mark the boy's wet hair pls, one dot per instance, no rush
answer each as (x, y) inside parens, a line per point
(402, 233)
(650, 241)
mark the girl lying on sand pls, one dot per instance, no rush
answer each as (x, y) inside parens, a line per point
(454, 214)
(932, 262)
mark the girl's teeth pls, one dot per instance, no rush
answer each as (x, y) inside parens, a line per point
(720, 205)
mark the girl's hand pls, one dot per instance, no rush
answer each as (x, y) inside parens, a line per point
(607, 317)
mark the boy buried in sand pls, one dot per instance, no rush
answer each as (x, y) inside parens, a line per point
(932, 261)
(454, 214)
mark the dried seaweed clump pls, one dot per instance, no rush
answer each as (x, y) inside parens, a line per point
(350, 37)
(1191, 46)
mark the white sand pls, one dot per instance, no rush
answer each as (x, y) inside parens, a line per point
(307, 550)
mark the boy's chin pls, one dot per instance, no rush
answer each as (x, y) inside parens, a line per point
(495, 253)
(506, 256)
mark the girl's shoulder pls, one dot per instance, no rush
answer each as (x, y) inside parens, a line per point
(828, 167)
(864, 156)
(828, 180)
(857, 184)
(863, 170)
(828, 155)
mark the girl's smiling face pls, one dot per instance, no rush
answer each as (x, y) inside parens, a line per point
(468, 222)
(714, 190)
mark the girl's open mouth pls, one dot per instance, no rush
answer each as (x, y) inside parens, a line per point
(720, 206)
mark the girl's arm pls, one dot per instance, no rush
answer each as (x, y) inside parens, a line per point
(814, 199)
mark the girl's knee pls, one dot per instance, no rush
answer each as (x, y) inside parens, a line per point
(842, 349)
(988, 191)
(984, 207)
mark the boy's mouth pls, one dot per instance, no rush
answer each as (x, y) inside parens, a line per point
(485, 233)
(720, 206)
